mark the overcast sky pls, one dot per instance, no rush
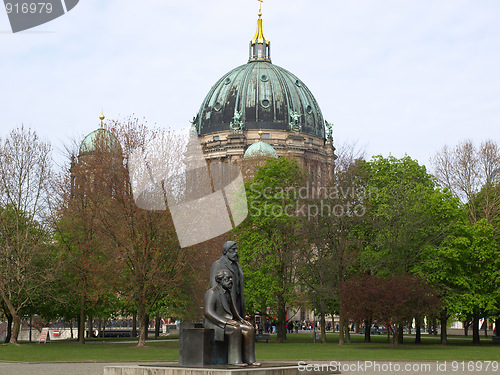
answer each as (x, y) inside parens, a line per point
(397, 76)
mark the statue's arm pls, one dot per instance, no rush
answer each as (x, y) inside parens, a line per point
(242, 293)
(210, 311)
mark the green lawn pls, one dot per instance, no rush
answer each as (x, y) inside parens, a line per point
(298, 347)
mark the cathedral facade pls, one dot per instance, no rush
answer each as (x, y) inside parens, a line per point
(260, 108)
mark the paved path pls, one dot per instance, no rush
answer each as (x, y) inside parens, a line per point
(347, 367)
(7, 368)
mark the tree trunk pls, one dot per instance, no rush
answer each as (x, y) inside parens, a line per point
(347, 333)
(323, 323)
(90, 330)
(341, 330)
(9, 328)
(475, 329)
(104, 327)
(418, 331)
(444, 329)
(394, 341)
(368, 325)
(485, 325)
(395, 335)
(142, 317)
(400, 334)
(16, 328)
(16, 320)
(81, 321)
(281, 319)
(497, 325)
(157, 326)
(134, 326)
(99, 328)
(31, 327)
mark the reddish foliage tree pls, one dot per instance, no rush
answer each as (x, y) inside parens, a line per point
(394, 300)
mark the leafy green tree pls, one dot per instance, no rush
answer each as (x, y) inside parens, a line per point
(270, 239)
(332, 229)
(471, 174)
(26, 269)
(466, 266)
(406, 213)
(25, 175)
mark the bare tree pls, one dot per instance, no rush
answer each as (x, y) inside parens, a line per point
(154, 268)
(25, 174)
(470, 172)
(120, 244)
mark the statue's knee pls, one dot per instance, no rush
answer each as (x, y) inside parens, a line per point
(233, 330)
(248, 329)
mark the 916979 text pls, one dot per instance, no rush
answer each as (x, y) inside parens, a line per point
(25, 8)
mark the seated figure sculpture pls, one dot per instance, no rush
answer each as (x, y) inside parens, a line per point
(229, 260)
(221, 315)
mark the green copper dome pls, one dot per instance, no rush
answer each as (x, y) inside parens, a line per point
(100, 139)
(260, 95)
(260, 149)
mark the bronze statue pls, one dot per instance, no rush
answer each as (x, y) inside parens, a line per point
(221, 315)
(229, 260)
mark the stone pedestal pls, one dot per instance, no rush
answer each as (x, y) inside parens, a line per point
(213, 370)
(196, 347)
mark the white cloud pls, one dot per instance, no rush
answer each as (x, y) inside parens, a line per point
(402, 77)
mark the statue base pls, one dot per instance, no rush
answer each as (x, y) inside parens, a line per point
(173, 369)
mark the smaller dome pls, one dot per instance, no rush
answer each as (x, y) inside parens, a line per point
(100, 138)
(260, 149)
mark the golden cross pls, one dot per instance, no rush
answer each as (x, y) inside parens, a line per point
(260, 6)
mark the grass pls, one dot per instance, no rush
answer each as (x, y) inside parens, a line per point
(65, 351)
(298, 347)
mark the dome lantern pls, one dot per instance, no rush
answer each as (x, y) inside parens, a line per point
(260, 47)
